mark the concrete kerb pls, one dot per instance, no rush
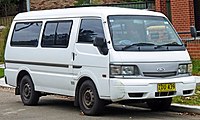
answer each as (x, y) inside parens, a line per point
(185, 108)
(1, 65)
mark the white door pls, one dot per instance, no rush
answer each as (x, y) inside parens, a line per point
(88, 59)
(54, 73)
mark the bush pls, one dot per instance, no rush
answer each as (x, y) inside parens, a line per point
(196, 67)
(1, 72)
(3, 39)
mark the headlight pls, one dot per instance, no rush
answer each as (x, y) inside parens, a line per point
(123, 70)
(185, 68)
(128, 70)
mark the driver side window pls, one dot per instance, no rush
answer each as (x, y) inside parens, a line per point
(90, 28)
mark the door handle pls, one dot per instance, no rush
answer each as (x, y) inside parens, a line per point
(73, 56)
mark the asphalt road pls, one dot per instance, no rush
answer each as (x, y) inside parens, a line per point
(58, 108)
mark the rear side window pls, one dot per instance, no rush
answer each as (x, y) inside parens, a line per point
(26, 34)
(56, 34)
(90, 28)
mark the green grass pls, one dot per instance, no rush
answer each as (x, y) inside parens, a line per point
(1, 72)
(196, 67)
(192, 100)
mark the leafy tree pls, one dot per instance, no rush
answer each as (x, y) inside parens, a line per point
(21, 4)
(4, 4)
(4, 36)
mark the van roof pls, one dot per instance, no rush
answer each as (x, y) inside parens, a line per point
(83, 12)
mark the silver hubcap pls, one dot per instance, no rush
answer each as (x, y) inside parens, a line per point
(27, 91)
(88, 99)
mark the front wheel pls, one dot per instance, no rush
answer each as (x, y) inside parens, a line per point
(89, 100)
(161, 104)
(27, 92)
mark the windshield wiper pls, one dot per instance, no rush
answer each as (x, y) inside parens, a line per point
(168, 44)
(138, 44)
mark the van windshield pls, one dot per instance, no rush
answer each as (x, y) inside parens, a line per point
(143, 33)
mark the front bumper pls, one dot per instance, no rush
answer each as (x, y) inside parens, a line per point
(127, 89)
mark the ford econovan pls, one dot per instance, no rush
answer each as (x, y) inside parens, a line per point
(98, 55)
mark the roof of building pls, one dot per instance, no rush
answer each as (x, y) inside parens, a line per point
(83, 11)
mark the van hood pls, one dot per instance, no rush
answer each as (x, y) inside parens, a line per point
(148, 57)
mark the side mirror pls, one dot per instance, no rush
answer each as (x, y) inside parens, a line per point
(193, 31)
(99, 42)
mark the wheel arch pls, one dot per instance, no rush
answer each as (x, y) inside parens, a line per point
(80, 82)
(20, 75)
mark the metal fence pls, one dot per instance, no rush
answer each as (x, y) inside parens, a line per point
(150, 5)
(136, 5)
(6, 21)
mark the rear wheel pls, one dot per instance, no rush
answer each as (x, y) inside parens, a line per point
(161, 104)
(89, 100)
(27, 92)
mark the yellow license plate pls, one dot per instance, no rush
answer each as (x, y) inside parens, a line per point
(165, 87)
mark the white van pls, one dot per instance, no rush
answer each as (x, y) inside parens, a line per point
(99, 55)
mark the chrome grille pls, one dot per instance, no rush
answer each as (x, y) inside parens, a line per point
(159, 74)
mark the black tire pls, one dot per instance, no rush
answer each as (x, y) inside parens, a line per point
(89, 100)
(27, 92)
(162, 104)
